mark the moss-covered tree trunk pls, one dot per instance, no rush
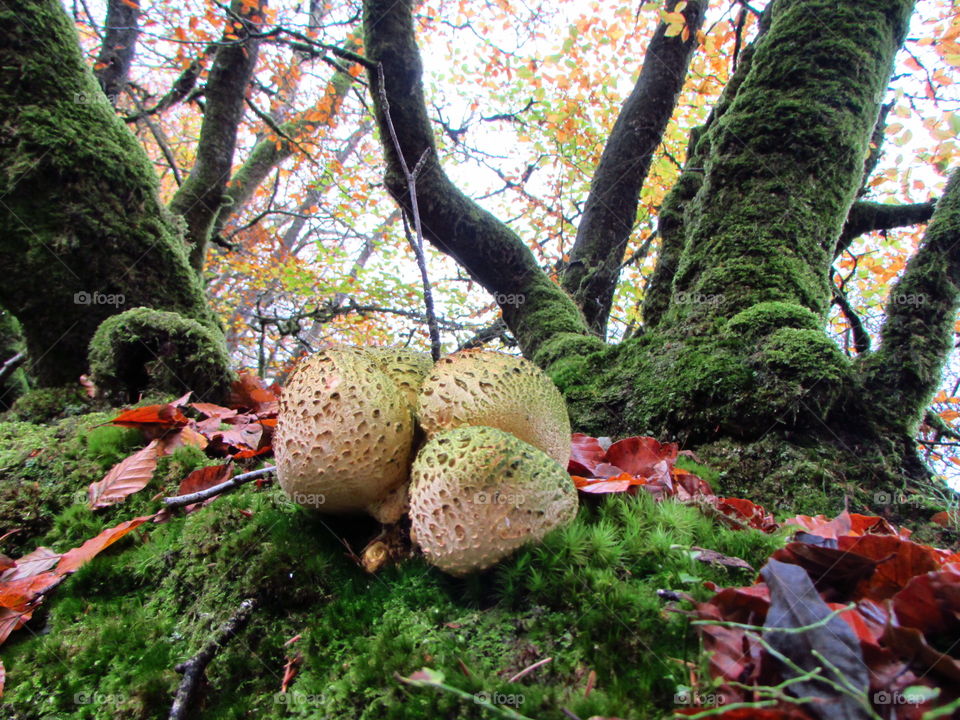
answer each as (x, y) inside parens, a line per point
(734, 360)
(83, 235)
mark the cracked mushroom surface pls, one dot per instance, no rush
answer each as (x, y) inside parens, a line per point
(479, 493)
(408, 368)
(344, 433)
(483, 387)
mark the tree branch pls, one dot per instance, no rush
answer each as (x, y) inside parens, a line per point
(902, 376)
(113, 63)
(611, 208)
(194, 668)
(199, 198)
(270, 152)
(535, 309)
(868, 216)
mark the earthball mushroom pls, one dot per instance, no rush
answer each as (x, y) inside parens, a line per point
(406, 367)
(344, 435)
(479, 493)
(483, 387)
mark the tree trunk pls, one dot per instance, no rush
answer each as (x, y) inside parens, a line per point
(82, 233)
(734, 360)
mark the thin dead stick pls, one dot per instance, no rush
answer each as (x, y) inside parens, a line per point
(411, 178)
(526, 671)
(201, 495)
(194, 668)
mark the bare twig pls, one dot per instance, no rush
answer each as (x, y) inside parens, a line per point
(201, 495)
(411, 178)
(12, 364)
(194, 668)
(527, 670)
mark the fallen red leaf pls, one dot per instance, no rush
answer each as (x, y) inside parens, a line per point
(33, 563)
(585, 454)
(205, 478)
(290, 671)
(249, 392)
(641, 455)
(126, 477)
(166, 416)
(11, 620)
(73, 559)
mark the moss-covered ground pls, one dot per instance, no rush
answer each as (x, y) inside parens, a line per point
(105, 643)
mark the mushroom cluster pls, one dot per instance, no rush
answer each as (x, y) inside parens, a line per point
(473, 447)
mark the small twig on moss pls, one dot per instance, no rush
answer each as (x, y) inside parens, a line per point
(527, 670)
(194, 668)
(201, 495)
(12, 364)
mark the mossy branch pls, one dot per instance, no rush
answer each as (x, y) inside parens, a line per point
(902, 376)
(201, 196)
(868, 216)
(611, 208)
(534, 308)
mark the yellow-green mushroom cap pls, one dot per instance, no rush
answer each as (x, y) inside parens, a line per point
(483, 387)
(408, 368)
(344, 433)
(479, 493)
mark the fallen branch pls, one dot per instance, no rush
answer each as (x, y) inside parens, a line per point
(201, 495)
(194, 668)
(12, 364)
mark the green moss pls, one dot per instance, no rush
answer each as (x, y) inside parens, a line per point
(45, 404)
(586, 597)
(763, 318)
(144, 349)
(11, 343)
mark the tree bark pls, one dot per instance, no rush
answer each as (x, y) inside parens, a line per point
(611, 208)
(202, 194)
(119, 47)
(734, 361)
(82, 233)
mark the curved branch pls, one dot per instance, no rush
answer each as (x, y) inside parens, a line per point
(535, 309)
(902, 376)
(199, 198)
(119, 46)
(611, 208)
(867, 216)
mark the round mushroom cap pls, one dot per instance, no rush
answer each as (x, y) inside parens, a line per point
(408, 368)
(483, 387)
(479, 493)
(344, 433)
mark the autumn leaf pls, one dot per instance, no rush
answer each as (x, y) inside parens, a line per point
(158, 416)
(126, 477)
(205, 478)
(73, 559)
